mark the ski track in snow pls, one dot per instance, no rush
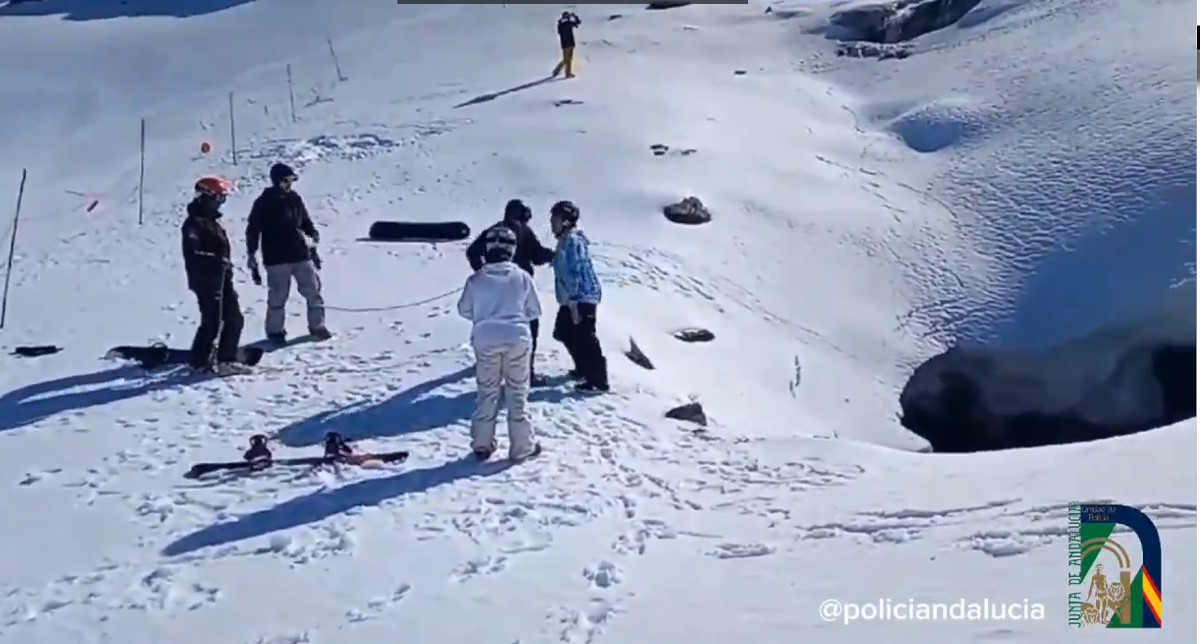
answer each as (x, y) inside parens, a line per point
(1039, 525)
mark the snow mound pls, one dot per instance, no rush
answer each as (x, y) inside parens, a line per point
(325, 147)
(1120, 379)
(938, 125)
(1077, 217)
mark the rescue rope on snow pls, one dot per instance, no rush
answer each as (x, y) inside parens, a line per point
(394, 307)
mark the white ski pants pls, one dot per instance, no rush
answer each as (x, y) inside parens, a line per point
(505, 366)
(279, 287)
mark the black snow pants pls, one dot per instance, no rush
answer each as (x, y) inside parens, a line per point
(220, 314)
(534, 327)
(581, 342)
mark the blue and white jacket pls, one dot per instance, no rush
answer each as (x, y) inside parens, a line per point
(574, 276)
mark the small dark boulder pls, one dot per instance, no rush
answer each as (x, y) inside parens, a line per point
(694, 334)
(690, 212)
(658, 6)
(873, 50)
(659, 150)
(692, 412)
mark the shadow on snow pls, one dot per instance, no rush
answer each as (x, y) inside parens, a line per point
(322, 504)
(483, 98)
(82, 10)
(36, 402)
(414, 409)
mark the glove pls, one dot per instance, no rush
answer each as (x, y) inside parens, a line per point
(255, 275)
(574, 309)
(316, 258)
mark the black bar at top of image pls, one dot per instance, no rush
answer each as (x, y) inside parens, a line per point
(585, 3)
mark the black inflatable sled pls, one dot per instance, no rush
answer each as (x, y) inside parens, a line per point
(160, 355)
(419, 231)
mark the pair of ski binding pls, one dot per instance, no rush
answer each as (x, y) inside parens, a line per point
(336, 446)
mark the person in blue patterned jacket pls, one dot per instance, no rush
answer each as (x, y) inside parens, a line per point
(577, 290)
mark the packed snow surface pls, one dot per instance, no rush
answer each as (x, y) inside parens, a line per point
(1022, 177)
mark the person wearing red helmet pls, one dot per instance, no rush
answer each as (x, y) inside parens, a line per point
(206, 259)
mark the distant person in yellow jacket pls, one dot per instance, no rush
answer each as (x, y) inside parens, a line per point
(567, 23)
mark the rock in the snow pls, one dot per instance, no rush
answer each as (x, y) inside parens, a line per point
(691, 412)
(690, 211)
(1115, 381)
(900, 20)
(659, 149)
(655, 6)
(873, 50)
(637, 357)
(694, 335)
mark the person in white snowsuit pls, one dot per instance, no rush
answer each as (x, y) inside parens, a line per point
(500, 299)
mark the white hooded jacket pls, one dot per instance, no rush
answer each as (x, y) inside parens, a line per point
(500, 299)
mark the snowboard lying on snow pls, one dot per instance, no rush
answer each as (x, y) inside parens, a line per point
(337, 451)
(419, 231)
(160, 355)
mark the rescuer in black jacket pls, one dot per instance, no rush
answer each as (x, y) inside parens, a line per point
(206, 258)
(280, 221)
(530, 253)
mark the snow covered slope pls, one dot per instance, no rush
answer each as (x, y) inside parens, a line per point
(819, 275)
(1069, 165)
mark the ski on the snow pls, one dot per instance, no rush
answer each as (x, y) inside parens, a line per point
(259, 457)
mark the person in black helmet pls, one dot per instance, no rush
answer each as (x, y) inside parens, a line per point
(206, 259)
(529, 253)
(280, 221)
(577, 289)
(499, 299)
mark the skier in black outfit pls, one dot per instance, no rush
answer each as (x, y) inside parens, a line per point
(206, 258)
(530, 253)
(280, 223)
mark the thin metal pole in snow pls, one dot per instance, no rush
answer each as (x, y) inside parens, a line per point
(291, 94)
(12, 247)
(142, 174)
(232, 131)
(333, 55)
